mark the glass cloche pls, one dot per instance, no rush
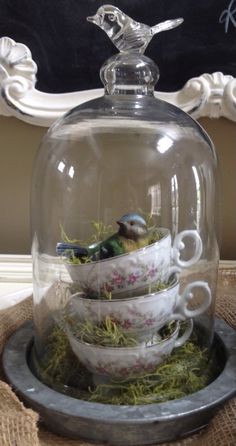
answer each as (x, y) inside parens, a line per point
(124, 246)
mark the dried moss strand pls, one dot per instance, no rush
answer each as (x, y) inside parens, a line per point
(185, 371)
(101, 231)
(108, 333)
(171, 380)
(65, 237)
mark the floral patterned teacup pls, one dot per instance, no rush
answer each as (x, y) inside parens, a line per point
(142, 315)
(136, 270)
(124, 362)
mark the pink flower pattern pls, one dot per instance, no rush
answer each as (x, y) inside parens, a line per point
(137, 278)
(126, 324)
(137, 368)
(132, 278)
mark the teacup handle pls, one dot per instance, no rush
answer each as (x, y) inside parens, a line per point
(186, 335)
(182, 312)
(178, 245)
(172, 270)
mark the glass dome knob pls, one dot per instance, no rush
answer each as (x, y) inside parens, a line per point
(129, 71)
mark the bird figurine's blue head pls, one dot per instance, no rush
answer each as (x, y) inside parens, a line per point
(127, 34)
(132, 226)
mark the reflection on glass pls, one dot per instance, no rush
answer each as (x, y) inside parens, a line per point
(198, 197)
(155, 193)
(71, 172)
(164, 144)
(61, 166)
(175, 203)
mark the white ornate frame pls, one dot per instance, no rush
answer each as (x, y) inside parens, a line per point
(212, 95)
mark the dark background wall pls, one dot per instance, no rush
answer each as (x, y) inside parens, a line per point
(69, 51)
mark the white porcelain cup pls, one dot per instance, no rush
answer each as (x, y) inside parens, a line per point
(134, 271)
(144, 314)
(125, 362)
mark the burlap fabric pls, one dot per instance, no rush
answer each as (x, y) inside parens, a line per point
(20, 426)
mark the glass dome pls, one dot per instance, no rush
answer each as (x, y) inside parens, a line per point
(124, 248)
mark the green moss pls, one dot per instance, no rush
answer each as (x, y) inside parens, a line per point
(65, 237)
(59, 360)
(160, 285)
(187, 370)
(184, 372)
(148, 217)
(72, 259)
(155, 235)
(101, 231)
(59, 368)
(107, 334)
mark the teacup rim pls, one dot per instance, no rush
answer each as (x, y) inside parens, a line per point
(134, 348)
(71, 265)
(143, 296)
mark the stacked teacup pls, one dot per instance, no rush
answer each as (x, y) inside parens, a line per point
(136, 305)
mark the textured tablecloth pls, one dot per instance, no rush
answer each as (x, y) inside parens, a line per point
(20, 426)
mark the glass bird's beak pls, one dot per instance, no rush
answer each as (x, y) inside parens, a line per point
(94, 19)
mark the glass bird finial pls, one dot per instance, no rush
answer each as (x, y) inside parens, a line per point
(128, 35)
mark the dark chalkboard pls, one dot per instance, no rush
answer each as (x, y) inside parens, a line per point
(69, 51)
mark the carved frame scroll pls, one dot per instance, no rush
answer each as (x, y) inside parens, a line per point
(212, 95)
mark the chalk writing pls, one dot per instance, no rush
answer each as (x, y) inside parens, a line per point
(228, 16)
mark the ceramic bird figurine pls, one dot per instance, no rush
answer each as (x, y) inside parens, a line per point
(127, 34)
(132, 234)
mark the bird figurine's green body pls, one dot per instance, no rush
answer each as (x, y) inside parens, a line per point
(132, 234)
